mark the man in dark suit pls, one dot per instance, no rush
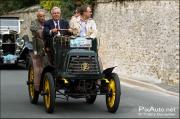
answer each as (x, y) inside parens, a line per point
(54, 26)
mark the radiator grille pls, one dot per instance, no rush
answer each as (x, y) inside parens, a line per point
(8, 48)
(83, 65)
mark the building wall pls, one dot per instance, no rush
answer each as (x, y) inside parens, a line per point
(140, 37)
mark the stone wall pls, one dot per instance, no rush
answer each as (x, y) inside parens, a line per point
(140, 37)
(28, 15)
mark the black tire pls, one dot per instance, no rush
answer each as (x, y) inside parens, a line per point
(49, 90)
(112, 103)
(90, 99)
(33, 94)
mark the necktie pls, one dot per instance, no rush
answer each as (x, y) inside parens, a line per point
(57, 24)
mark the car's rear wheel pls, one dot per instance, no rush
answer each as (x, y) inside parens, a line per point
(114, 92)
(33, 94)
(49, 92)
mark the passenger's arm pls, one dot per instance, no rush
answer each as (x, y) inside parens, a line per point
(34, 29)
(74, 27)
(93, 30)
(69, 31)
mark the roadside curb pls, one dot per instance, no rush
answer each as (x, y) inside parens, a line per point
(148, 86)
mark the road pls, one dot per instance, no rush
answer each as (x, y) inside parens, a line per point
(135, 102)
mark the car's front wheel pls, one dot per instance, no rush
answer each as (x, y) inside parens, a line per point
(114, 92)
(49, 92)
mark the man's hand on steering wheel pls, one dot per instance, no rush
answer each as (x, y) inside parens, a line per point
(55, 30)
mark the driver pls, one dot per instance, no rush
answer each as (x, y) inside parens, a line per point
(55, 25)
(52, 27)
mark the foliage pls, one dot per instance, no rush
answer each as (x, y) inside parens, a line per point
(9, 5)
(48, 4)
(67, 6)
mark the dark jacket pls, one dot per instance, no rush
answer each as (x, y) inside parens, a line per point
(49, 25)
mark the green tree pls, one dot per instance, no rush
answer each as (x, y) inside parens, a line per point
(9, 5)
(67, 6)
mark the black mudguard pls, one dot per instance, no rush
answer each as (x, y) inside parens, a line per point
(107, 72)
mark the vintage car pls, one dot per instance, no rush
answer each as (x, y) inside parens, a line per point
(75, 72)
(13, 48)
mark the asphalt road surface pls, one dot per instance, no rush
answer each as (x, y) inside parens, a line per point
(135, 102)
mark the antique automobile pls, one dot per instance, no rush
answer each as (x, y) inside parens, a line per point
(76, 72)
(13, 48)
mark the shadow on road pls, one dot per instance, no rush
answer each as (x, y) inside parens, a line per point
(78, 106)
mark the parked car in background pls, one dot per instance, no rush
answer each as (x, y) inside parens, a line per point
(13, 48)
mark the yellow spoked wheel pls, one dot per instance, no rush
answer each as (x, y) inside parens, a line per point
(31, 79)
(47, 96)
(111, 89)
(114, 92)
(33, 94)
(49, 92)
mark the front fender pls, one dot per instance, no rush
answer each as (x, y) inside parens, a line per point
(107, 72)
